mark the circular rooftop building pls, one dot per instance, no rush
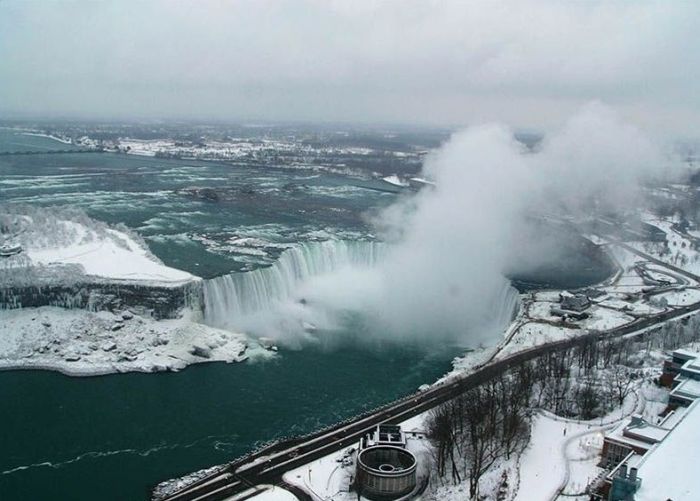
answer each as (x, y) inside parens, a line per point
(385, 472)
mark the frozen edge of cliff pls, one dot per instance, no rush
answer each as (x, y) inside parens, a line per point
(56, 238)
(83, 343)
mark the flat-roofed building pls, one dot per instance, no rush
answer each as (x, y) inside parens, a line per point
(680, 361)
(684, 393)
(633, 436)
(669, 470)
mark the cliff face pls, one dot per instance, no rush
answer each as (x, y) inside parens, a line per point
(157, 300)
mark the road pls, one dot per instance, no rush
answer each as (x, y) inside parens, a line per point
(268, 465)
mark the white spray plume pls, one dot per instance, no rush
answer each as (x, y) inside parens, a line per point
(450, 246)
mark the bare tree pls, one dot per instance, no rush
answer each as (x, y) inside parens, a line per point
(482, 450)
(619, 380)
(587, 400)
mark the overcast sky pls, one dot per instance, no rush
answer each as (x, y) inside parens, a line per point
(525, 62)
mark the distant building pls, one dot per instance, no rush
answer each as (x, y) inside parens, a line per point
(571, 306)
(574, 302)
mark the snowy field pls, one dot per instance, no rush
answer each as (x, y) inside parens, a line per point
(532, 334)
(52, 240)
(680, 250)
(113, 255)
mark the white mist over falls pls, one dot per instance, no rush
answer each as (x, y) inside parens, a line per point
(440, 272)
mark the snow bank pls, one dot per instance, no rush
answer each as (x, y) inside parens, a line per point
(543, 468)
(533, 334)
(115, 255)
(57, 238)
(78, 342)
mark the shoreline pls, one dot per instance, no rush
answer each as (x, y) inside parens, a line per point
(80, 343)
(48, 136)
(98, 372)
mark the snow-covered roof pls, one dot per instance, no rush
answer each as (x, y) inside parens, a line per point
(638, 439)
(688, 388)
(647, 432)
(692, 366)
(673, 418)
(687, 354)
(669, 470)
(640, 434)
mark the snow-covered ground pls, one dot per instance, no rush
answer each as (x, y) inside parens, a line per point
(114, 255)
(330, 476)
(48, 136)
(604, 318)
(543, 468)
(65, 247)
(266, 493)
(679, 251)
(534, 333)
(54, 240)
(681, 297)
(79, 342)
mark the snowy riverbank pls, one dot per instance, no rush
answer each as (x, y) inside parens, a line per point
(49, 136)
(53, 240)
(82, 343)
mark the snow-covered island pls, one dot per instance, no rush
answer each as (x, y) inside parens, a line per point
(84, 298)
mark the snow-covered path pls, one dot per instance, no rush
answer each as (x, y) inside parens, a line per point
(553, 462)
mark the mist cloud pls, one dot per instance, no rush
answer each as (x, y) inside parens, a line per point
(450, 247)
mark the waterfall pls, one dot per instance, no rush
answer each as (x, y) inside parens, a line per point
(289, 296)
(230, 297)
(505, 306)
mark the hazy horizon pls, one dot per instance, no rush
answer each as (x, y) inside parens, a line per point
(529, 64)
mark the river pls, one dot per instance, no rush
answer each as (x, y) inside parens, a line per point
(114, 437)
